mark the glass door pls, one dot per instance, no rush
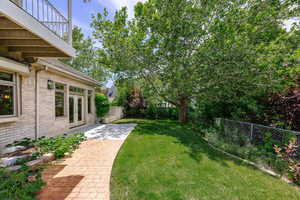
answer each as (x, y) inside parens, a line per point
(71, 109)
(76, 110)
(80, 115)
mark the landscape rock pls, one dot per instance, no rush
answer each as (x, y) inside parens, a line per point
(43, 159)
(12, 149)
(9, 161)
(14, 168)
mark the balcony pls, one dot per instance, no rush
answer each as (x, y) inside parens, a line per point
(34, 28)
(44, 12)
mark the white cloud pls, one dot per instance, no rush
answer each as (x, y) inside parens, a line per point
(117, 4)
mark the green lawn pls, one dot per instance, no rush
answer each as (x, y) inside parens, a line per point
(164, 160)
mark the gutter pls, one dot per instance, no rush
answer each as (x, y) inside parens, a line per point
(76, 75)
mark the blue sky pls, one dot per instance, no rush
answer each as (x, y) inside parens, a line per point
(82, 12)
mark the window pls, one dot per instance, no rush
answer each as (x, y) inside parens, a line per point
(59, 100)
(76, 90)
(7, 94)
(90, 95)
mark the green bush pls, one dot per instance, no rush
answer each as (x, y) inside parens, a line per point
(59, 145)
(25, 183)
(263, 154)
(102, 105)
(152, 111)
(18, 186)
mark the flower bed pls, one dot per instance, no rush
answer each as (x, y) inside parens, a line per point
(21, 179)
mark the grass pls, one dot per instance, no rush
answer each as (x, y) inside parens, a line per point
(164, 160)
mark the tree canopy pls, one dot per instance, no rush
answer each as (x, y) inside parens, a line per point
(184, 50)
(86, 59)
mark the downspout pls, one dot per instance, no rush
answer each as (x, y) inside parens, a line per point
(37, 101)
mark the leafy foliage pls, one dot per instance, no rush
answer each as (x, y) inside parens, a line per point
(24, 183)
(86, 56)
(275, 151)
(59, 145)
(18, 186)
(102, 104)
(289, 154)
(220, 51)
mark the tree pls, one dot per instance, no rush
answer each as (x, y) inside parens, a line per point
(86, 56)
(186, 49)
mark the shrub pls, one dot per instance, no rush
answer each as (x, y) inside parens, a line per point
(152, 111)
(102, 105)
(59, 145)
(288, 154)
(262, 154)
(22, 184)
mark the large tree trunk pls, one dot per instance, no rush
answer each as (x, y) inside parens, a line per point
(183, 111)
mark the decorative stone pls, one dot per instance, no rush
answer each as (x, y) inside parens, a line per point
(43, 159)
(9, 161)
(12, 149)
(14, 168)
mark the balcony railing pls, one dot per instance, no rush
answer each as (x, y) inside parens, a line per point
(47, 14)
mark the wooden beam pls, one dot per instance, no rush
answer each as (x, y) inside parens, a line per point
(46, 55)
(33, 49)
(24, 43)
(7, 24)
(16, 34)
(16, 55)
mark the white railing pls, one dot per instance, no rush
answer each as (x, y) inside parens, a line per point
(47, 14)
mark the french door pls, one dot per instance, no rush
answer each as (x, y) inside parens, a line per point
(76, 110)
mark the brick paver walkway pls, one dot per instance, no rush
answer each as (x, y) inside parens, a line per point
(83, 176)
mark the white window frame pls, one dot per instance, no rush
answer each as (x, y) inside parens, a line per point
(15, 96)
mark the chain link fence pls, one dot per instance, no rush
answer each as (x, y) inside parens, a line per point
(245, 133)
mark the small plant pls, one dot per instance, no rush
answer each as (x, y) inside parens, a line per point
(288, 154)
(59, 145)
(20, 185)
(27, 142)
(102, 105)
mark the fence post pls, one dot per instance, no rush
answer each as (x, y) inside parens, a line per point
(251, 132)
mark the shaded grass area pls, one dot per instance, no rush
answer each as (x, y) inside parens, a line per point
(166, 160)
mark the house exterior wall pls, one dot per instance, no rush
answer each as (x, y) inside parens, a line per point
(24, 126)
(48, 124)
